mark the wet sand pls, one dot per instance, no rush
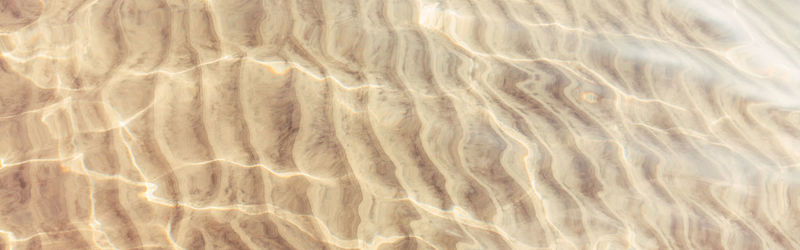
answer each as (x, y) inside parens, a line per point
(399, 124)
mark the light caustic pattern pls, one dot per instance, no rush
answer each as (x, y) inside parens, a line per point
(399, 124)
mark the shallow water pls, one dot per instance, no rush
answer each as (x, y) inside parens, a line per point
(399, 124)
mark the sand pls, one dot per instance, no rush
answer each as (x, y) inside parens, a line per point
(399, 124)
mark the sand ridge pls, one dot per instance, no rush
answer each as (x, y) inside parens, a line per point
(399, 124)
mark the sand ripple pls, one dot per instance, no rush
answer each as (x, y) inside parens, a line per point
(399, 124)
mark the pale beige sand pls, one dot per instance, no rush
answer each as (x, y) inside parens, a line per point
(399, 124)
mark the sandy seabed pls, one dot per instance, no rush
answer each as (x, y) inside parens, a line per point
(399, 124)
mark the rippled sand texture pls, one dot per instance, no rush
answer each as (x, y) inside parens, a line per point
(399, 124)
